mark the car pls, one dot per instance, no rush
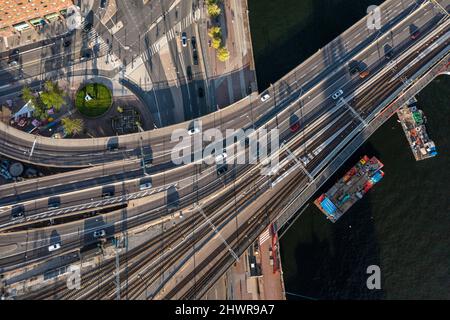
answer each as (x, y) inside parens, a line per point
(274, 170)
(305, 160)
(17, 211)
(193, 42)
(265, 97)
(87, 27)
(354, 70)
(67, 43)
(266, 162)
(221, 170)
(353, 67)
(220, 159)
(54, 204)
(5, 165)
(201, 92)
(184, 39)
(193, 130)
(103, 4)
(337, 94)
(295, 126)
(189, 73)
(13, 63)
(54, 247)
(5, 174)
(86, 54)
(364, 74)
(389, 54)
(99, 233)
(144, 186)
(107, 193)
(415, 35)
(195, 57)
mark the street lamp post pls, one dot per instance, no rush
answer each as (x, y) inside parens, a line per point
(142, 158)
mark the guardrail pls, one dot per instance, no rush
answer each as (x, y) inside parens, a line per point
(86, 206)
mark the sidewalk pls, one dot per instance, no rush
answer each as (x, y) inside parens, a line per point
(236, 78)
(18, 39)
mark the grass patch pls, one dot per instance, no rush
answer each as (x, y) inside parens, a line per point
(100, 103)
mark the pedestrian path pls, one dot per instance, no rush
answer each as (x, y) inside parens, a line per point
(264, 236)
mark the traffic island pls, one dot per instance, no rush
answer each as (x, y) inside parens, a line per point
(93, 100)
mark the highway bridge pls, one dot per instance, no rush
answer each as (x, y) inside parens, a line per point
(207, 219)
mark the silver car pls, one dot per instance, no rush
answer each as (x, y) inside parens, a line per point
(337, 94)
(54, 247)
(265, 97)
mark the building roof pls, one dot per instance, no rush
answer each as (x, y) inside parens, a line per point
(15, 11)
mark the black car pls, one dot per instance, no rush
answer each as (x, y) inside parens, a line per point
(354, 70)
(103, 4)
(222, 169)
(193, 42)
(67, 43)
(86, 54)
(201, 92)
(389, 54)
(17, 211)
(195, 57)
(189, 73)
(16, 51)
(54, 203)
(87, 27)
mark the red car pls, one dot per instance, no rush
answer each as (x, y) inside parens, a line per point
(295, 126)
(415, 35)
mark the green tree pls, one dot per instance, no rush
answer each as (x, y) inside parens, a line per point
(36, 102)
(72, 126)
(215, 32)
(223, 54)
(213, 10)
(216, 43)
(52, 96)
(27, 94)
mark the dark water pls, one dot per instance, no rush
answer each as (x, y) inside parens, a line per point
(402, 225)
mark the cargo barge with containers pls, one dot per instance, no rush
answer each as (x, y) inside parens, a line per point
(350, 188)
(413, 123)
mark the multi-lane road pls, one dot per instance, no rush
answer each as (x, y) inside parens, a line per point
(240, 200)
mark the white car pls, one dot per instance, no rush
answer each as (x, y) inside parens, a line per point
(337, 94)
(99, 233)
(54, 247)
(184, 39)
(265, 97)
(193, 130)
(220, 159)
(305, 160)
(145, 186)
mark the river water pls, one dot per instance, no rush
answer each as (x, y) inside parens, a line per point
(403, 224)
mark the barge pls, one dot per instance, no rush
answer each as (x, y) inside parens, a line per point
(350, 188)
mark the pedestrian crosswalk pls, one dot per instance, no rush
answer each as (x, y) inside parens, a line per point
(94, 39)
(264, 236)
(175, 31)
